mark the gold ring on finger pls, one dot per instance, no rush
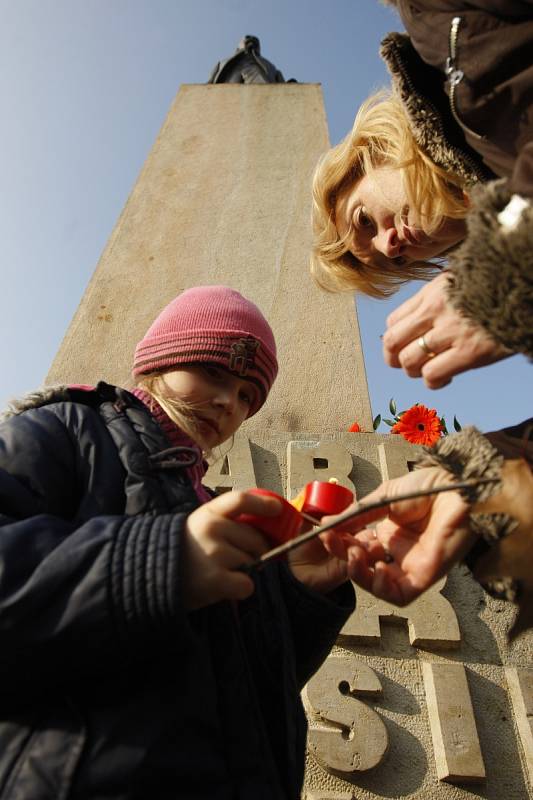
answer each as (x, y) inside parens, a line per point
(421, 341)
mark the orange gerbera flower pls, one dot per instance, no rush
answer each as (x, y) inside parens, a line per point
(419, 425)
(355, 428)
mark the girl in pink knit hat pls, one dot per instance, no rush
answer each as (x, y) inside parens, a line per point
(138, 661)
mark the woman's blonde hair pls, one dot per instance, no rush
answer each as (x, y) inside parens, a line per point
(381, 136)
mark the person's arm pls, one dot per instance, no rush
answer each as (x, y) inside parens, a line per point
(79, 600)
(215, 546)
(411, 544)
(316, 618)
(420, 540)
(84, 600)
(285, 619)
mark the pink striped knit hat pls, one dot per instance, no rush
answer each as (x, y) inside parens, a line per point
(212, 324)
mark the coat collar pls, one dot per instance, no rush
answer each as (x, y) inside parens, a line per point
(420, 87)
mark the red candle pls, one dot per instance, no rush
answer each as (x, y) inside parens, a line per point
(322, 497)
(279, 529)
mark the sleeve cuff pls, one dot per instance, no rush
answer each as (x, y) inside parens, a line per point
(469, 455)
(144, 578)
(333, 608)
(492, 271)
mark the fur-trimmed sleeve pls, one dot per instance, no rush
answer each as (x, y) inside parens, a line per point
(470, 454)
(492, 270)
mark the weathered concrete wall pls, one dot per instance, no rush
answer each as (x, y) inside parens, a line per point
(428, 701)
(224, 197)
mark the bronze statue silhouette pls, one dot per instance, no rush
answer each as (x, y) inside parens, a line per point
(246, 65)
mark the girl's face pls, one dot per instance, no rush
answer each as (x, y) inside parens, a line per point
(221, 401)
(384, 229)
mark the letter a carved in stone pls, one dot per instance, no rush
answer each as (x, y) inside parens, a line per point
(234, 471)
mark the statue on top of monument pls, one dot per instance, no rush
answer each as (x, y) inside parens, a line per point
(246, 65)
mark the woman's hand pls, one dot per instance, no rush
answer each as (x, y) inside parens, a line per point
(427, 338)
(215, 546)
(415, 545)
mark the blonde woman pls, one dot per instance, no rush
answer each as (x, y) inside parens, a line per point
(443, 166)
(440, 167)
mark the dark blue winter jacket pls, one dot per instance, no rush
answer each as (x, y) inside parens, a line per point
(109, 688)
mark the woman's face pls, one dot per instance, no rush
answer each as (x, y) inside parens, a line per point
(221, 401)
(384, 228)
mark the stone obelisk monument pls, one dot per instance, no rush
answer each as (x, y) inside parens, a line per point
(414, 702)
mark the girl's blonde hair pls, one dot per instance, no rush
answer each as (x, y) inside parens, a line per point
(381, 136)
(180, 412)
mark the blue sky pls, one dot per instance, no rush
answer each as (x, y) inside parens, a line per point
(85, 87)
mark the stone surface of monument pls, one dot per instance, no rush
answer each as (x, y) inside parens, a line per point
(428, 701)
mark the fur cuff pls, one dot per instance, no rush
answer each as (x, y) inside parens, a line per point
(492, 270)
(467, 455)
(470, 455)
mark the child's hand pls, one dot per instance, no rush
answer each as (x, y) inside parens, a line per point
(323, 563)
(319, 570)
(215, 546)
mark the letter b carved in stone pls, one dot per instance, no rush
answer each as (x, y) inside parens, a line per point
(317, 461)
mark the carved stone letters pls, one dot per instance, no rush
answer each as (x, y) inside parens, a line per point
(431, 619)
(453, 727)
(317, 461)
(356, 739)
(520, 683)
(234, 471)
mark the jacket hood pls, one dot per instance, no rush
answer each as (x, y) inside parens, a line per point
(36, 399)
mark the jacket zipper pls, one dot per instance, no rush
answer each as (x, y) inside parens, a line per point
(476, 168)
(456, 75)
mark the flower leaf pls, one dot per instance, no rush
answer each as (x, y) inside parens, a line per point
(389, 422)
(376, 422)
(392, 407)
(456, 424)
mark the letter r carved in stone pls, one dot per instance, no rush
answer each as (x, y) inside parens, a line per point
(431, 619)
